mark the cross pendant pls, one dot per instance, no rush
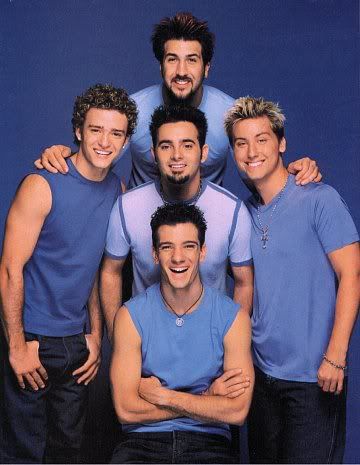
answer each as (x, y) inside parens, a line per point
(264, 238)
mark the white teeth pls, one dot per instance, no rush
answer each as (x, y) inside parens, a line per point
(178, 270)
(255, 163)
(178, 166)
(102, 152)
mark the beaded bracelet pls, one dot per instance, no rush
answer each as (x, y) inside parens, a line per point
(335, 365)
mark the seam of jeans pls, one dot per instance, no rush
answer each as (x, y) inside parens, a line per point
(333, 432)
(173, 447)
(68, 356)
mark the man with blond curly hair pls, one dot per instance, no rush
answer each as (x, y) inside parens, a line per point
(54, 240)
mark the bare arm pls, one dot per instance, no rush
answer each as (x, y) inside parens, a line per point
(125, 375)
(111, 290)
(211, 408)
(89, 369)
(346, 264)
(243, 286)
(29, 209)
(53, 159)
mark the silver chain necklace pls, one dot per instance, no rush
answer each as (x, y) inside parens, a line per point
(265, 229)
(179, 318)
(196, 198)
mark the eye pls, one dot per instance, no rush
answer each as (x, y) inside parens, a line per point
(117, 134)
(164, 147)
(262, 141)
(170, 59)
(188, 146)
(164, 247)
(94, 130)
(190, 246)
(240, 144)
(192, 60)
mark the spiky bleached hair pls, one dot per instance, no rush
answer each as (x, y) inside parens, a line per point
(252, 107)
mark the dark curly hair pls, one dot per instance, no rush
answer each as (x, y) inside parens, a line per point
(183, 26)
(175, 113)
(108, 97)
(178, 213)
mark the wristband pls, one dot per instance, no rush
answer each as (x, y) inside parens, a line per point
(335, 365)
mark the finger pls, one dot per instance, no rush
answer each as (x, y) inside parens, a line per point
(56, 161)
(230, 373)
(238, 387)
(20, 381)
(83, 368)
(31, 381)
(61, 160)
(306, 170)
(318, 177)
(48, 166)
(310, 175)
(326, 386)
(237, 393)
(293, 168)
(86, 377)
(37, 378)
(340, 385)
(43, 372)
(38, 164)
(320, 382)
(333, 385)
(239, 379)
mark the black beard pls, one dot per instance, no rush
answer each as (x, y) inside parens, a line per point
(175, 100)
(177, 180)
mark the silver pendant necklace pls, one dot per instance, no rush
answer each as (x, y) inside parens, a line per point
(196, 198)
(265, 229)
(179, 318)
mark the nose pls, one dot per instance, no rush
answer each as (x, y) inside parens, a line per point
(252, 152)
(176, 153)
(182, 68)
(177, 255)
(104, 140)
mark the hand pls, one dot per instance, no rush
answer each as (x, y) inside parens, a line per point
(306, 170)
(151, 390)
(330, 379)
(53, 159)
(230, 384)
(26, 365)
(89, 370)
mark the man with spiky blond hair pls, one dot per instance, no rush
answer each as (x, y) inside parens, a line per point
(306, 259)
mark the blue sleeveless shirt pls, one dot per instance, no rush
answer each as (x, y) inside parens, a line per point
(59, 276)
(186, 358)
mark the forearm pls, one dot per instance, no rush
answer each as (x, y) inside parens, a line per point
(12, 300)
(94, 309)
(346, 310)
(206, 408)
(243, 295)
(110, 297)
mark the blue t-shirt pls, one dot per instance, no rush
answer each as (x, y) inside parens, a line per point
(227, 236)
(295, 285)
(60, 274)
(214, 104)
(186, 358)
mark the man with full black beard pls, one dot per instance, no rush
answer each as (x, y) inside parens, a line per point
(184, 47)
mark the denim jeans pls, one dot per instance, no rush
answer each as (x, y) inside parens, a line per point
(295, 422)
(172, 447)
(46, 425)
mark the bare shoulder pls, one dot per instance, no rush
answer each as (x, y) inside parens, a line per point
(240, 330)
(125, 331)
(34, 193)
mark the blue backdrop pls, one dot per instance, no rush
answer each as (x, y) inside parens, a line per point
(301, 53)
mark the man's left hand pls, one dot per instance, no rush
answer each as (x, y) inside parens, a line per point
(151, 390)
(330, 379)
(88, 371)
(306, 171)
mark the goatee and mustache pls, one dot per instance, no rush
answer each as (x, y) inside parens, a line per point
(178, 180)
(174, 99)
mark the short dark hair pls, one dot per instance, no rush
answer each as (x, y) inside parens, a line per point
(107, 97)
(172, 214)
(176, 113)
(183, 26)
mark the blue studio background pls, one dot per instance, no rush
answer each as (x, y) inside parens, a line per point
(301, 53)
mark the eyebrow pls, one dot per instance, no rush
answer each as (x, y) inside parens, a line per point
(96, 126)
(256, 135)
(168, 141)
(188, 56)
(172, 243)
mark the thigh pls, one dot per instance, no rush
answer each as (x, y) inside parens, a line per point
(264, 421)
(67, 402)
(23, 418)
(190, 447)
(314, 426)
(143, 448)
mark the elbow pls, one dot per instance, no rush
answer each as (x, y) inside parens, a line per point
(124, 416)
(238, 416)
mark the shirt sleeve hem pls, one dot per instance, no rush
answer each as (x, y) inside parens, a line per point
(115, 257)
(244, 263)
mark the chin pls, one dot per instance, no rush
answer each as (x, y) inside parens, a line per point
(177, 180)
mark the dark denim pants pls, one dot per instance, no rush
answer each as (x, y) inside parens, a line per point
(172, 447)
(295, 422)
(46, 425)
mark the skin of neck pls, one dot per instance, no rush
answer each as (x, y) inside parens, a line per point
(181, 299)
(180, 192)
(193, 101)
(93, 174)
(269, 186)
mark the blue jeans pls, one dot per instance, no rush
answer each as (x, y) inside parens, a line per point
(46, 425)
(172, 447)
(295, 422)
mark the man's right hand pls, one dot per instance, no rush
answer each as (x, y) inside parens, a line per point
(26, 365)
(53, 159)
(231, 384)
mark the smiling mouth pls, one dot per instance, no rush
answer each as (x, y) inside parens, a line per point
(181, 82)
(254, 164)
(179, 270)
(102, 153)
(178, 166)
